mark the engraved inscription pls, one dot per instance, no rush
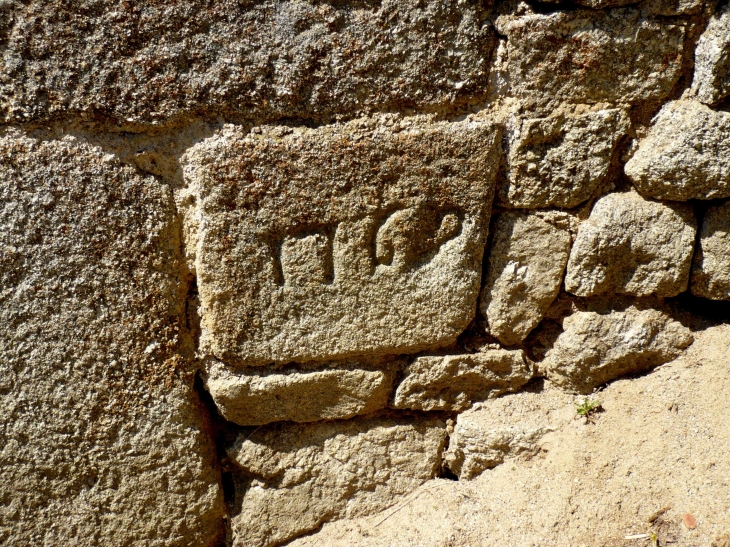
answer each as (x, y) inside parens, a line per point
(306, 258)
(412, 237)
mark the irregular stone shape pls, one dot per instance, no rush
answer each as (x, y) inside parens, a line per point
(711, 267)
(500, 428)
(147, 61)
(685, 154)
(524, 272)
(586, 56)
(341, 390)
(711, 81)
(596, 348)
(319, 244)
(631, 245)
(560, 160)
(653, 7)
(453, 382)
(103, 440)
(304, 475)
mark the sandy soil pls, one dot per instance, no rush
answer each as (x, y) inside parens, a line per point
(661, 443)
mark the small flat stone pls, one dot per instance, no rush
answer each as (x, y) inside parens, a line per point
(337, 391)
(711, 265)
(453, 382)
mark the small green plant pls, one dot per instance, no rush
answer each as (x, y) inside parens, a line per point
(587, 408)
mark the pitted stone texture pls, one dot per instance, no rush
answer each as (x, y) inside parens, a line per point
(148, 61)
(685, 155)
(653, 7)
(560, 160)
(494, 430)
(596, 348)
(711, 267)
(711, 82)
(337, 391)
(586, 56)
(525, 269)
(103, 440)
(453, 382)
(631, 245)
(354, 239)
(304, 475)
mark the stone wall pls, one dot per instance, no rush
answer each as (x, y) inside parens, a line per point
(256, 257)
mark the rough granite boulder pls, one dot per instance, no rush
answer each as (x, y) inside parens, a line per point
(685, 155)
(353, 239)
(711, 82)
(304, 475)
(524, 272)
(103, 439)
(631, 245)
(500, 428)
(148, 61)
(711, 266)
(560, 160)
(595, 348)
(453, 382)
(589, 57)
(336, 391)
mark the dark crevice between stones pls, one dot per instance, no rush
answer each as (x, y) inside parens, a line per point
(227, 474)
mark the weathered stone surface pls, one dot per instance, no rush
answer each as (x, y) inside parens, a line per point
(711, 267)
(711, 82)
(524, 272)
(652, 7)
(494, 430)
(453, 382)
(595, 348)
(586, 56)
(304, 475)
(103, 442)
(631, 245)
(338, 391)
(560, 160)
(147, 61)
(319, 244)
(685, 154)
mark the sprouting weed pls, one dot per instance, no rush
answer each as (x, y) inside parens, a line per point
(587, 408)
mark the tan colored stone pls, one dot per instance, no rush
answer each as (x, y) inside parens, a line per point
(104, 442)
(711, 267)
(595, 348)
(524, 272)
(337, 391)
(560, 160)
(353, 239)
(711, 82)
(148, 61)
(586, 56)
(631, 245)
(505, 427)
(304, 475)
(453, 382)
(684, 155)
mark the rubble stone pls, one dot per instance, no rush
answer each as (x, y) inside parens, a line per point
(560, 160)
(684, 155)
(631, 245)
(524, 272)
(304, 475)
(500, 428)
(353, 239)
(104, 442)
(146, 61)
(711, 267)
(453, 382)
(338, 391)
(593, 56)
(711, 82)
(595, 348)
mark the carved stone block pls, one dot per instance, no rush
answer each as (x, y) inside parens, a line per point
(350, 239)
